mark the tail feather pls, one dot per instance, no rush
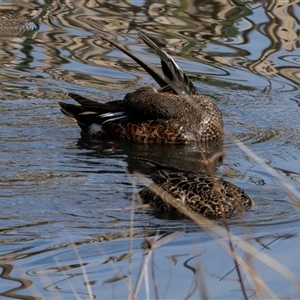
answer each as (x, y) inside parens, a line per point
(89, 112)
(161, 82)
(100, 108)
(77, 113)
(175, 77)
(70, 110)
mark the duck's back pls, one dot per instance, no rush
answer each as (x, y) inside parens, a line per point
(197, 192)
(183, 118)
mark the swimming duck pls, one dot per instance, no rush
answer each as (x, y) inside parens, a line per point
(194, 191)
(173, 114)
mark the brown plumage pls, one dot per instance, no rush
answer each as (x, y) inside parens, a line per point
(195, 191)
(174, 114)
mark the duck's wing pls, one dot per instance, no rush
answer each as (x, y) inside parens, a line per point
(159, 79)
(174, 76)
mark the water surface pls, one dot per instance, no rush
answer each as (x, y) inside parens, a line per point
(67, 227)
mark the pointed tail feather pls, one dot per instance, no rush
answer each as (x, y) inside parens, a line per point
(150, 71)
(91, 112)
(86, 103)
(116, 106)
(70, 110)
(176, 78)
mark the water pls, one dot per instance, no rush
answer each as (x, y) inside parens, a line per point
(67, 229)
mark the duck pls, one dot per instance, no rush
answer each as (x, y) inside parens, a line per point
(174, 113)
(209, 196)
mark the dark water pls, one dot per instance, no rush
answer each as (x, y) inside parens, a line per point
(67, 227)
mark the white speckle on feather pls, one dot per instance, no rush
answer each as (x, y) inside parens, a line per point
(112, 114)
(95, 128)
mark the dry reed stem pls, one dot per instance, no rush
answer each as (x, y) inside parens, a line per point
(153, 277)
(143, 271)
(199, 271)
(130, 266)
(217, 233)
(84, 273)
(74, 292)
(216, 191)
(290, 190)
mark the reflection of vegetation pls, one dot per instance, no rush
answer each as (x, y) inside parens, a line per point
(187, 28)
(281, 31)
(230, 22)
(16, 23)
(21, 283)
